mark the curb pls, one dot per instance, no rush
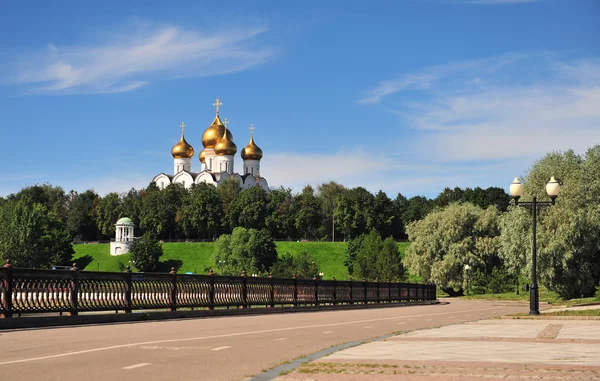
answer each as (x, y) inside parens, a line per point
(56, 321)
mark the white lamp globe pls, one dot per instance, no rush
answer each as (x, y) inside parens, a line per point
(553, 187)
(516, 188)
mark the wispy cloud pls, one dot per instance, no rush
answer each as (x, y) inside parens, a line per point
(498, 108)
(132, 59)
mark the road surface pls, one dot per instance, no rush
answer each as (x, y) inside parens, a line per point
(227, 348)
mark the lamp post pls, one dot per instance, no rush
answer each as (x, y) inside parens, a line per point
(467, 268)
(534, 207)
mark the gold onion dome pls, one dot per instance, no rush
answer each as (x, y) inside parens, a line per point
(214, 133)
(182, 150)
(225, 146)
(252, 151)
(202, 156)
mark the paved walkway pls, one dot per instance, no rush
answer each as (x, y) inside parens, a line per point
(509, 349)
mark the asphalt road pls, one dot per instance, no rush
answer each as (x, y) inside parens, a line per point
(229, 348)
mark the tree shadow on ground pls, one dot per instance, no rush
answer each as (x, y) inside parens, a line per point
(165, 267)
(83, 262)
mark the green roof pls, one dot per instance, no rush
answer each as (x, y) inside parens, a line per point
(125, 221)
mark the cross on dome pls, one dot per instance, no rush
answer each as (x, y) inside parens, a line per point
(225, 122)
(182, 126)
(217, 104)
(252, 128)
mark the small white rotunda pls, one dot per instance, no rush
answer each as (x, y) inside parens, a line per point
(123, 237)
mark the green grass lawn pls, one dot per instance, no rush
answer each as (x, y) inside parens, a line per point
(595, 312)
(197, 257)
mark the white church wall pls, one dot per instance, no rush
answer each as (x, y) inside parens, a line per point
(181, 164)
(183, 178)
(205, 177)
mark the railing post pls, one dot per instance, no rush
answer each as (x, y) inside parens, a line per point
(271, 291)
(334, 291)
(351, 297)
(399, 291)
(74, 291)
(389, 293)
(365, 287)
(211, 290)
(295, 292)
(378, 290)
(128, 277)
(173, 294)
(244, 290)
(316, 290)
(8, 290)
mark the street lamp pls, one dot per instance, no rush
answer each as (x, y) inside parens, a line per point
(534, 207)
(467, 268)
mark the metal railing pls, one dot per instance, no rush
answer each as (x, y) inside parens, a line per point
(24, 291)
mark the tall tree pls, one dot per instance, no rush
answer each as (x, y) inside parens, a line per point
(202, 212)
(416, 209)
(329, 194)
(160, 208)
(280, 220)
(308, 212)
(110, 209)
(132, 204)
(82, 216)
(32, 236)
(385, 220)
(354, 212)
(249, 209)
(228, 191)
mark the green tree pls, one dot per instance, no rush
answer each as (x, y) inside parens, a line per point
(377, 258)
(329, 194)
(449, 238)
(146, 252)
(385, 219)
(32, 236)
(53, 198)
(308, 212)
(354, 212)
(245, 249)
(82, 216)
(110, 209)
(202, 212)
(568, 244)
(354, 246)
(228, 191)
(303, 265)
(280, 220)
(161, 210)
(132, 204)
(249, 209)
(416, 209)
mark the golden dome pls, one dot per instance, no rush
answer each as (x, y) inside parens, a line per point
(202, 156)
(214, 132)
(252, 151)
(182, 149)
(225, 146)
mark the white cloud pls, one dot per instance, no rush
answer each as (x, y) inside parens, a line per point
(513, 106)
(134, 58)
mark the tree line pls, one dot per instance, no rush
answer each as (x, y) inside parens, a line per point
(204, 212)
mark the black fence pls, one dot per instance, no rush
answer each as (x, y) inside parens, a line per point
(24, 291)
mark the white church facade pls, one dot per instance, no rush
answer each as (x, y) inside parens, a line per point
(217, 159)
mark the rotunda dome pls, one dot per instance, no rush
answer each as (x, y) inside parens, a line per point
(214, 132)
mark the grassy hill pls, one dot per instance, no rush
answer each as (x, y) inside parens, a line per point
(197, 256)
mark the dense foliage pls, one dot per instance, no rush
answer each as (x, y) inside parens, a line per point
(450, 238)
(370, 257)
(245, 249)
(568, 233)
(301, 265)
(146, 252)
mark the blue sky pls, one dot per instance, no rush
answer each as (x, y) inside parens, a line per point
(403, 96)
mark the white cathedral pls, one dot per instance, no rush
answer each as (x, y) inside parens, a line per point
(216, 159)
